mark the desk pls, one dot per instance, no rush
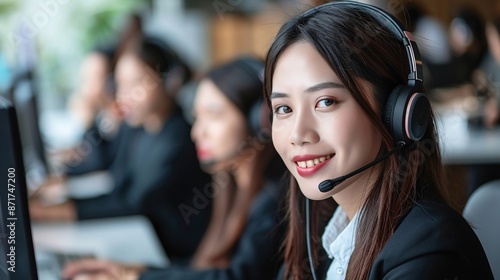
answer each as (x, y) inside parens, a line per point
(461, 145)
(125, 240)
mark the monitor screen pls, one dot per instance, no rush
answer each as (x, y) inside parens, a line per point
(17, 261)
(24, 98)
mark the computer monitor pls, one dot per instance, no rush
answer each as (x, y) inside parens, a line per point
(23, 95)
(16, 245)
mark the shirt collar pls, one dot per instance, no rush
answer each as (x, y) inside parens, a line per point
(340, 235)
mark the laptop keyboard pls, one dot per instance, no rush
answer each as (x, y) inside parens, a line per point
(63, 258)
(51, 263)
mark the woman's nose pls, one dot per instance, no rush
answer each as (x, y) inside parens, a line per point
(196, 130)
(303, 130)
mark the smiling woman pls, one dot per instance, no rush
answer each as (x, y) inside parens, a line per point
(315, 96)
(344, 82)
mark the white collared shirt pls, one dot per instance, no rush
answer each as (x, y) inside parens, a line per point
(338, 241)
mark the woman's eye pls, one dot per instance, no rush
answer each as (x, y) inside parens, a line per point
(281, 110)
(326, 102)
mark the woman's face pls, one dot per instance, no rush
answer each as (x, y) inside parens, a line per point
(460, 36)
(138, 89)
(220, 129)
(318, 128)
(94, 72)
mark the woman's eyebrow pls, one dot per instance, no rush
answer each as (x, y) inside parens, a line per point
(278, 95)
(324, 85)
(314, 88)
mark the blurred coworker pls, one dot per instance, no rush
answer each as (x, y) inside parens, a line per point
(158, 158)
(94, 105)
(231, 136)
(487, 80)
(490, 69)
(468, 45)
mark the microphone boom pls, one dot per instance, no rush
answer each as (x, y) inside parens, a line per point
(328, 185)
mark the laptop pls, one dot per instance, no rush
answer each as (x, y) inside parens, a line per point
(39, 251)
(128, 240)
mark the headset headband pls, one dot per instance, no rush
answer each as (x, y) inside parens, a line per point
(413, 54)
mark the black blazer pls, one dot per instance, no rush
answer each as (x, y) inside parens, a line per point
(154, 174)
(432, 242)
(98, 150)
(256, 255)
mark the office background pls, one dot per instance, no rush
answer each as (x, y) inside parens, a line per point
(51, 38)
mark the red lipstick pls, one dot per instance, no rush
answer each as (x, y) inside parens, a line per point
(309, 171)
(203, 154)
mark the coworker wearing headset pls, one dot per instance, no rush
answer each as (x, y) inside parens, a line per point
(157, 156)
(345, 86)
(231, 133)
(94, 104)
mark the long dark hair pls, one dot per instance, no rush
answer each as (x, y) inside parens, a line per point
(161, 58)
(358, 47)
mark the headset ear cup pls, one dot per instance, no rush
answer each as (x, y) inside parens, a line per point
(417, 116)
(396, 113)
(389, 111)
(407, 114)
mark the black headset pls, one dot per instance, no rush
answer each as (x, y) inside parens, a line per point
(259, 116)
(407, 110)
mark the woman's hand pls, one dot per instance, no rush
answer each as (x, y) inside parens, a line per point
(491, 113)
(91, 269)
(65, 211)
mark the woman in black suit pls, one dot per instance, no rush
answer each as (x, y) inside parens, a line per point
(345, 86)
